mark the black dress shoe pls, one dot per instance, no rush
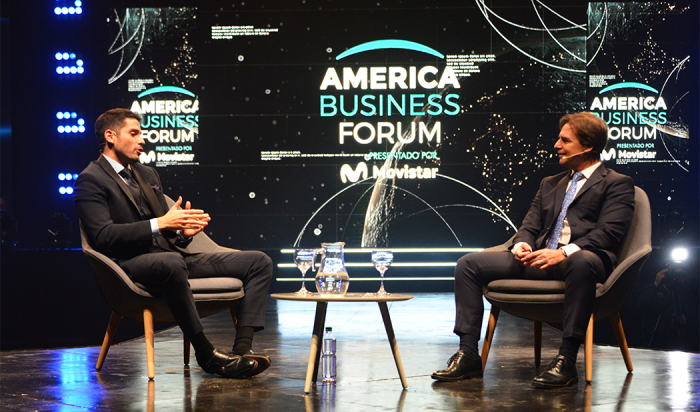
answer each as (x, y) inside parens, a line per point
(560, 373)
(264, 361)
(459, 367)
(228, 366)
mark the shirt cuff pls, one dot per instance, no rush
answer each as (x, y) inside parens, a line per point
(570, 249)
(515, 247)
(154, 227)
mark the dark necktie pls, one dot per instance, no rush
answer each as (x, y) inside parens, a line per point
(142, 205)
(131, 184)
(553, 241)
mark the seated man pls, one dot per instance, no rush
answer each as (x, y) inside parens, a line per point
(121, 205)
(572, 233)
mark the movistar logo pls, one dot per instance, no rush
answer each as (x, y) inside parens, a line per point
(147, 157)
(607, 156)
(346, 172)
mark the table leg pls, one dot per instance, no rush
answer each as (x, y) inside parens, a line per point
(392, 342)
(315, 351)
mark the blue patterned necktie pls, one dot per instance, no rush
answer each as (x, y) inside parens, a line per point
(553, 241)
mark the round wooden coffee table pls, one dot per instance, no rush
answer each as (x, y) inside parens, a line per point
(319, 323)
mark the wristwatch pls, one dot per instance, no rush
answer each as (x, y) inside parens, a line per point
(563, 252)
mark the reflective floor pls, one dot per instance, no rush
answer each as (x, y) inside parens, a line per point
(66, 380)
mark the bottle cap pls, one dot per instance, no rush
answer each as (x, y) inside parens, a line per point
(329, 329)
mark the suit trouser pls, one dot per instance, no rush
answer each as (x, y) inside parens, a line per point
(580, 273)
(170, 271)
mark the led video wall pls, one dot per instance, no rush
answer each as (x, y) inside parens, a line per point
(398, 124)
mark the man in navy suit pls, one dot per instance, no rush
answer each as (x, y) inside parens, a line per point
(125, 216)
(572, 233)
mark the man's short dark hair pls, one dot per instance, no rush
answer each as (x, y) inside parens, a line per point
(113, 119)
(591, 130)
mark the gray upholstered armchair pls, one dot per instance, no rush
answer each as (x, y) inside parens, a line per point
(542, 301)
(137, 302)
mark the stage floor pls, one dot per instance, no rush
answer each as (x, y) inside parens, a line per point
(66, 380)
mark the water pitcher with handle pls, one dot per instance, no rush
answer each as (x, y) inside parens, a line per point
(332, 277)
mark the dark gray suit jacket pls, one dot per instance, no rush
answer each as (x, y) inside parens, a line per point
(599, 215)
(109, 214)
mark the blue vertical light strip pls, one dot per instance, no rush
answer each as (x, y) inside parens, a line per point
(68, 64)
(68, 7)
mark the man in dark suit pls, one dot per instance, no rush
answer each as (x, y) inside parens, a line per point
(125, 216)
(572, 233)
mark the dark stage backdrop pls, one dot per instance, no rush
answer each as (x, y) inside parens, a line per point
(388, 124)
(5, 125)
(398, 125)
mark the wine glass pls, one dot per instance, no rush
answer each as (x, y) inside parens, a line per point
(382, 260)
(304, 260)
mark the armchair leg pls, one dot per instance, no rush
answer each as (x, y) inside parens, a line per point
(538, 343)
(493, 318)
(186, 350)
(588, 350)
(109, 336)
(148, 331)
(620, 335)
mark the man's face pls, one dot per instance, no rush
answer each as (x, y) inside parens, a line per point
(127, 141)
(567, 146)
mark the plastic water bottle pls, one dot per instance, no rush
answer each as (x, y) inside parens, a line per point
(329, 356)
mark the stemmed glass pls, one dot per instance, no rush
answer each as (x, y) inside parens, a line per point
(382, 260)
(304, 260)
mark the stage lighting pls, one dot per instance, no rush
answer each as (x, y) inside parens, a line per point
(78, 68)
(679, 254)
(76, 8)
(66, 179)
(76, 126)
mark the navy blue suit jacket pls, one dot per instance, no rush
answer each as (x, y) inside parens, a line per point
(599, 215)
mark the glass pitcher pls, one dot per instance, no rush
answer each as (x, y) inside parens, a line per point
(332, 278)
